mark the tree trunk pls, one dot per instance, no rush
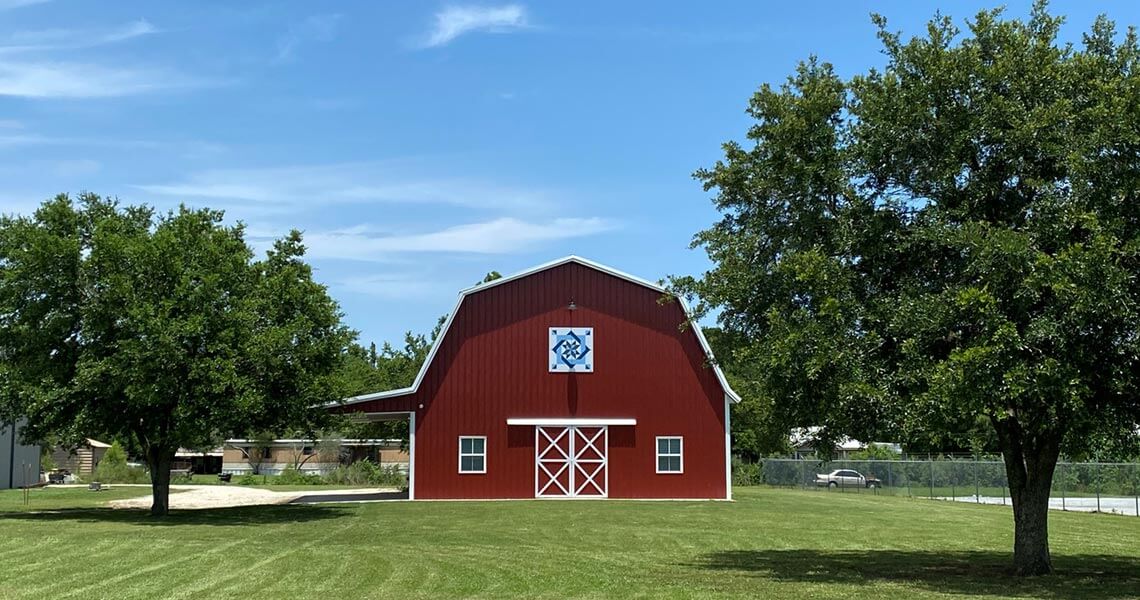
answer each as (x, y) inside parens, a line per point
(1029, 466)
(159, 460)
(1031, 528)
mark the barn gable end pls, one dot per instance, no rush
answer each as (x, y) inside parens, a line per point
(496, 413)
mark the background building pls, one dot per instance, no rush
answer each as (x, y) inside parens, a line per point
(19, 463)
(241, 456)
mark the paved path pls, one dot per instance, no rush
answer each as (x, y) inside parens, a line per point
(1108, 504)
(349, 496)
(222, 496)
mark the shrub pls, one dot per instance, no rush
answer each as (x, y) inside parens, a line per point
(47, 461)
(366, 472)
(248, 479)
(746, 473)
(291, 476)
(113, 468)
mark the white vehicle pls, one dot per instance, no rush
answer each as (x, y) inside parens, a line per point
(846, 478)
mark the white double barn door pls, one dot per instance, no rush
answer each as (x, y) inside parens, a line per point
(571, 461)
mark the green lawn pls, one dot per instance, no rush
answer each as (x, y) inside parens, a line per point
(771, 543)
(57, 498)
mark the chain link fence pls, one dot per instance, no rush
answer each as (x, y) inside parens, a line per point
(1091, 487)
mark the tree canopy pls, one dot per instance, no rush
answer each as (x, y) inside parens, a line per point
(367, 370)
(952, 237)
(161, 329)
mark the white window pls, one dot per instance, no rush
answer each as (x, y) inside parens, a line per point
(669, 454)
(472, 454)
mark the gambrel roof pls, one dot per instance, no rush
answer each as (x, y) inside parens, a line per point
(482, 287)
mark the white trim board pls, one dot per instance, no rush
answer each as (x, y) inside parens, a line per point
(548, 422)
(728, 391)
(727, 450)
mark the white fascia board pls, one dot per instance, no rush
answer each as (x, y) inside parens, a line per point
(580, 422)
(732, 395)
(419, 375)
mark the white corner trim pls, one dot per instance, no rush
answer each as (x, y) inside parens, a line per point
(727, 450)
(528, 272)
(575, 422)
(412, 455)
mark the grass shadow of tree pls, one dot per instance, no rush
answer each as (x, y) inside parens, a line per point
(965, 573)
(233, 516)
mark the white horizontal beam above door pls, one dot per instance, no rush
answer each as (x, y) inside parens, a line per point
(576, 422)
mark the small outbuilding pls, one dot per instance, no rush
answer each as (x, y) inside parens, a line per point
(82, 459)
(569, 380)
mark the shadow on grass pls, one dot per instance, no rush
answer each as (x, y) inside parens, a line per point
(962, 573)
(332, 497)
(241, 515)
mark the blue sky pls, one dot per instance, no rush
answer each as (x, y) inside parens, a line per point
(418, 145)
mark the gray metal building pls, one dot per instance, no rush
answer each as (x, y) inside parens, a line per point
(19, 464)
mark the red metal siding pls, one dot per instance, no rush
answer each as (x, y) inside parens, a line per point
(492, 365)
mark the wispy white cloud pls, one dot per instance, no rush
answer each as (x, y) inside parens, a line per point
(25, 72)
(498, 236)
(9, 4)
(31, 65)
(131, 30)
(80, 167)
(83, 80)
(390, 286)
(42, 40)
(454, 21)
(31, 173)
(283, 189)
(183, 148)
(317, 28)
(696, 37)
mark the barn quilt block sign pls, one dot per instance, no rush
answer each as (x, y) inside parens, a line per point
(571, 349)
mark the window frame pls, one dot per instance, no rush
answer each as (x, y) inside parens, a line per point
(680, 454)
(463, 454)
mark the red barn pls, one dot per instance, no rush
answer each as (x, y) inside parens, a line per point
(568, 380)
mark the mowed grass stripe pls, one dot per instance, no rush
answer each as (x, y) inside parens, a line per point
(254, 572)
(60, 557)
(116, 571)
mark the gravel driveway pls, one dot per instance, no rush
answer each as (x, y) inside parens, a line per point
(222, 496)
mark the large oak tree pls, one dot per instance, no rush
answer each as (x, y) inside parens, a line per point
(163, 330)
(952, 237)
